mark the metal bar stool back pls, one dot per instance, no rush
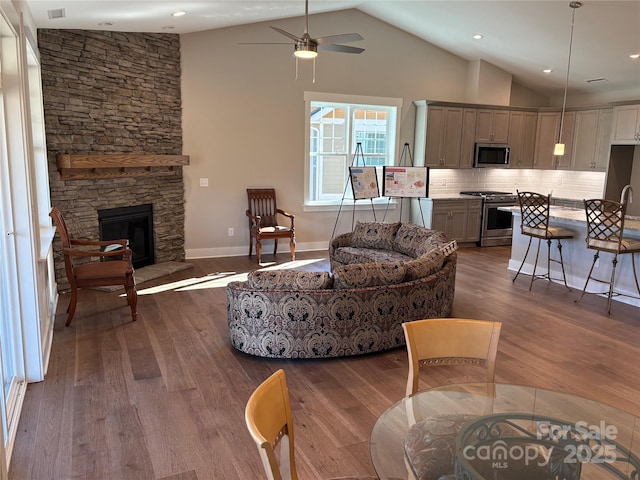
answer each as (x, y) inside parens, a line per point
(534, 208)
(605, 233)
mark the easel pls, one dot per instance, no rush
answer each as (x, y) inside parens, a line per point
(406, 153)
(358, 155)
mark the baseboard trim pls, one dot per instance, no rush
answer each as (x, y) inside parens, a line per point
(192, 253)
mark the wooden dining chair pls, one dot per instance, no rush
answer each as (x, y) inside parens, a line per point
(114, 269)
(270, 422)
(430, 450)
(263, 214)
(450, 341)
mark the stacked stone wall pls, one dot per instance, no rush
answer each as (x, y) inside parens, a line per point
(114, 92)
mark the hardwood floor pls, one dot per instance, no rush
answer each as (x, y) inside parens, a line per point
(163, 398)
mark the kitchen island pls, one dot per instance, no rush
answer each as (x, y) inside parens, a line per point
(577, 257)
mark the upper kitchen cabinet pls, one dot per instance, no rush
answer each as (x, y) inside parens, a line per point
(592, 132)
(547, 130)
(522, 138)
(444, 135)
(626, 125)
(492, 126)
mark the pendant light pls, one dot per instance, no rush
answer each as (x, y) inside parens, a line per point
(559, 147)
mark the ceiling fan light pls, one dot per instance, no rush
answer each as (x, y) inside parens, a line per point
(305, 51)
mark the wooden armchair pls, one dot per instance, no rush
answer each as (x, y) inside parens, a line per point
(263, 222)
(118, 270)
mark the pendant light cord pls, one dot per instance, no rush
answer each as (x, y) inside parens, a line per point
(573, 5)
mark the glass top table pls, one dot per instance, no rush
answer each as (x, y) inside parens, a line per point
(504, 431)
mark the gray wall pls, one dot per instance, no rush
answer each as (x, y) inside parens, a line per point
(243, 115)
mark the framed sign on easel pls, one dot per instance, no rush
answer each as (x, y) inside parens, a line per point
(405, 181)
(364, 184)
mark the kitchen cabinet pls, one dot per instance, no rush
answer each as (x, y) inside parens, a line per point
(468, 142)
(474, 219)
(626, 125)
(492, 126)
(459, 219)
(547, 130)
(444, 135)
(592, 131)
(522, 138)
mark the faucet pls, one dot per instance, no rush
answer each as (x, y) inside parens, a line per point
(627, 192)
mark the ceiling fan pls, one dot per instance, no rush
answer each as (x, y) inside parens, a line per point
(307, 47)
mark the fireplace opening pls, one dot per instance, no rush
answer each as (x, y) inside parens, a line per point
(134, 223)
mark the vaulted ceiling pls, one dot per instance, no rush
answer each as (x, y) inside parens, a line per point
(521, 37)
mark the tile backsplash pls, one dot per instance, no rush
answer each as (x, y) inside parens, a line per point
(559, 183)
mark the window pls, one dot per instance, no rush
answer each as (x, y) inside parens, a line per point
(336, 125)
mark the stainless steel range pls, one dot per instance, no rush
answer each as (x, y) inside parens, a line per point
(496, 225)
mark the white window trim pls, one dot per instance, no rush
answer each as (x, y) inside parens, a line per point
(380, 203)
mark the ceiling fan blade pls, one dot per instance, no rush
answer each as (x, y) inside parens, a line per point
(285, 33)
(332, 47)
(342, 38)
(264, 43)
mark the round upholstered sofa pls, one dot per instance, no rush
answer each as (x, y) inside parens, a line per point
(355, 309)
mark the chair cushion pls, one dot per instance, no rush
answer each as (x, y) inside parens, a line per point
(288, 280)
(360, 275)
(430, 445)
(374, 235)
(627, 245)
(274, 229)
(96, 270)
(348, 255)
(559, 232)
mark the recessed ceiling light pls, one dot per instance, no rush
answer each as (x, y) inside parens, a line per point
(178, 14)
(634, 55)
(547, 70)
(477, 36)
(168, 27)
(106, 24)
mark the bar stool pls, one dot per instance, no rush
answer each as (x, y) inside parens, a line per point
(605, 229)
(535, 224)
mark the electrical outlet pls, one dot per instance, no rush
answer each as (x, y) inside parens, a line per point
(230, 232)
(204, 182)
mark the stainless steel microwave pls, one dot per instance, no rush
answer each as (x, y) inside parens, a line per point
(491, 155)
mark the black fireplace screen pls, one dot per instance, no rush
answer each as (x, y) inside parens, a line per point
(133, 223)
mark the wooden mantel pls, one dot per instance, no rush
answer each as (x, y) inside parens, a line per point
(81, 167)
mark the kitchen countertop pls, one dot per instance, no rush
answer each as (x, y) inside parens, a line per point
(450, 196)
(578, 216)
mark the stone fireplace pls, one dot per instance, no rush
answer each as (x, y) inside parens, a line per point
(110, 97)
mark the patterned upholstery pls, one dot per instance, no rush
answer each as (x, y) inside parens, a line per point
(288, 280)
(333, 323)
(430, 445)
(374, 235)
(359, 309)
(360, 275)
(414, 240)
(424, 265)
